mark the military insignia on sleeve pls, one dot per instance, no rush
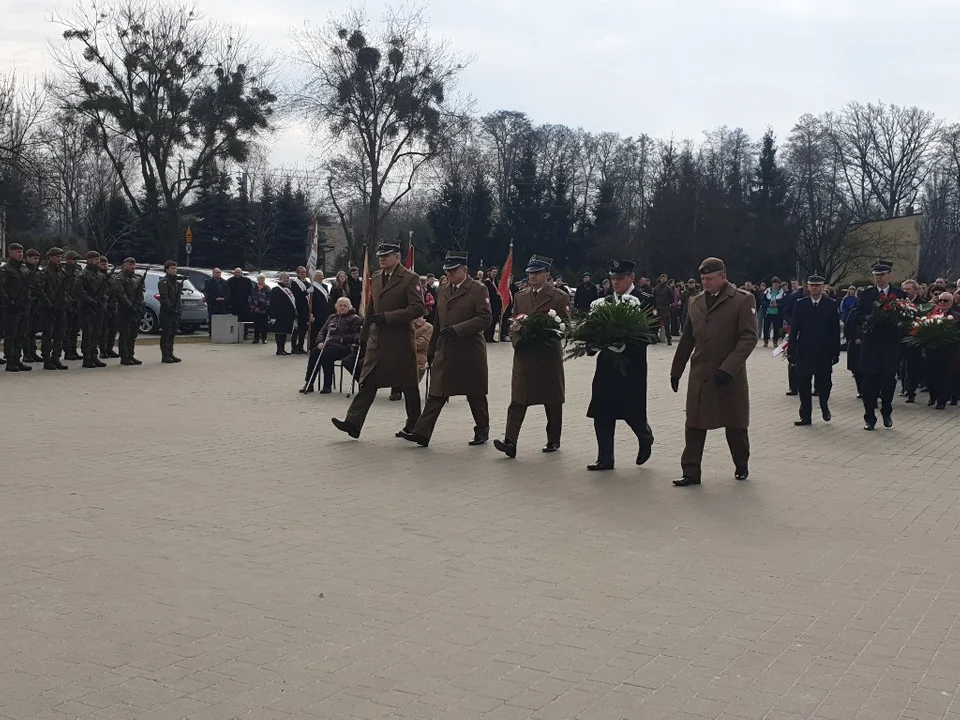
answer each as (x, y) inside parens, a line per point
(753, 310)
(486, 300)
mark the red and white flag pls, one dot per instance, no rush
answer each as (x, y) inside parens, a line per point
(506, 296)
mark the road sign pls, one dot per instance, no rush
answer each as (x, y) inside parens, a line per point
(189, 236)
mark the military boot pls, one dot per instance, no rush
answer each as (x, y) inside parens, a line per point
(49, 365)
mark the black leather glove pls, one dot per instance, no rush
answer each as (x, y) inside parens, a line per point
(675, 384)
(379, 319)
(448, 333)
(722, 379)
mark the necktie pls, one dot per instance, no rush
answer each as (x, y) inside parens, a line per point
(386, 279)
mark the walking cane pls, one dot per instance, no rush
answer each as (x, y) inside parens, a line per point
(353, 375)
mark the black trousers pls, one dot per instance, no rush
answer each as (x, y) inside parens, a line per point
(940, 374)
(775, 322)
(792, 377)
(823, 383)
(72, 331)
(913, 370)
(431, 412)
(738, 440)
(516, 412)
(877, 386)
(54, 328)
(28, 340)
(128, 325)
(605, 429)
(357, 413)
(91, 327)
(300, 331)
(13, 323)
(169, 324)
(327, 358)
(281, 339)
(260, 327)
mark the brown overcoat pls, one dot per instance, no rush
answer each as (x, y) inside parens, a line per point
(538, 371)
(391, 348)
(460, 363)
(720, 338)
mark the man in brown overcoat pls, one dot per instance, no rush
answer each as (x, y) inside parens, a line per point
(537, 371)
(396, 300)
(720, 333)
(458, 352)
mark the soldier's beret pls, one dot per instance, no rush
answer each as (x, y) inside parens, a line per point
(169, 264)
(14, 246)
(71, 255)
(54, 251)
(32, 252)
(104, 258)
(92, 255)
(130, 260)
(712, 265)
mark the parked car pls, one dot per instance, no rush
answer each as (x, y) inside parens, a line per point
(193, 314)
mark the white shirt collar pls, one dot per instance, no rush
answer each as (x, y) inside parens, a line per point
(628, 292)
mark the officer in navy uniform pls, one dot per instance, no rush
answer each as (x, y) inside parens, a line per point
(616, 396)
(814, 347)
(880, 350)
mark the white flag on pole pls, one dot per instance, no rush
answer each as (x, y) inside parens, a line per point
(314, 253)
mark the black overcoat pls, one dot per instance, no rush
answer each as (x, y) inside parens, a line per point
(879, 348)
(282, 311)
(814, 336)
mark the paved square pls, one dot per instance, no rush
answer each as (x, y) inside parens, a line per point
(196, 541)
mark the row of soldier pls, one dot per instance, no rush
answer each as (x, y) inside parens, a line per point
(65, 304)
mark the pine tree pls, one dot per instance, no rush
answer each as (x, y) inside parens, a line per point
(773, 239)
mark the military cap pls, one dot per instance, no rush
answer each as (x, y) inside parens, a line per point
(387, 248)
(621, 268)
(712, 265)
(54, 251)
(454, 259)
(538, 263)
(882, 267)
(92, 255)
(816, 280)
(71, 255)
(14, 246)
(130, 260)
(169, 264)
(33, 252)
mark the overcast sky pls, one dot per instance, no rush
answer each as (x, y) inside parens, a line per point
(631, 66)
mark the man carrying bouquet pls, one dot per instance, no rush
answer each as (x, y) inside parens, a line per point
(538, 358)
(720, 333)
(879, 347)
(620, 393)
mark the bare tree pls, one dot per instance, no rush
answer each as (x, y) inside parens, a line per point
(386, 94)
(885, 152)
(21, 107)
(180, 91)
(506, 133)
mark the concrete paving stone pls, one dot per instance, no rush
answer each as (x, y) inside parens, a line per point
(218, 550)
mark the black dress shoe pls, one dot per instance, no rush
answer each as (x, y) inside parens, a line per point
(479, 439)
(888, 421)
(12, 368)
(26, 368)
(395, 396)
(685, 481)
(61, 366)
(598, 466)
(404, 433)
(868, 425)
(911, 399)
(48, 365)
(790, 393)
(742, 474)
(415, 438)
(325, 391)
(799, 423)
(550, 447)
(827, 416)
(506, 447)
(134, 361)
(940, 406)
(344, 426)
(113, 354)
(931, 402)
(645, 452)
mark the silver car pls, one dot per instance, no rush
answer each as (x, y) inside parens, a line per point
(193, 314)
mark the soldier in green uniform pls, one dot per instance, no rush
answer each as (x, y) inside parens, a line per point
(129, 293)
(169, 291)
(31, 267)
(91, 290)
(72, 310)
(108, 334)
(53, 312)
(15, 306)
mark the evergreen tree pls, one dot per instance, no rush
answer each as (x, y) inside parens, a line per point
(557, 238)
(773, 238)
(525, 212)
(292, 227)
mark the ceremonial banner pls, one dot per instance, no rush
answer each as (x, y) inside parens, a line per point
(504, 290)
(367, 294)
